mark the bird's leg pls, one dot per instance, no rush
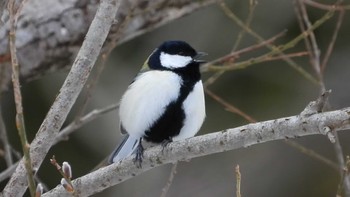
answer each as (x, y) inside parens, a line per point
(166, 142)
(139, 154)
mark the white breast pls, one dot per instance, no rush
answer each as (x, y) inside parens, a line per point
(146, 98)
(194, 107)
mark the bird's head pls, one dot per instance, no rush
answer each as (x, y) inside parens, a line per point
(173, 55)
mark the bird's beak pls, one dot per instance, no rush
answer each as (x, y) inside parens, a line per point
(198, 56)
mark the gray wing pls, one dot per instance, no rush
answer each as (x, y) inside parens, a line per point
(125, 149)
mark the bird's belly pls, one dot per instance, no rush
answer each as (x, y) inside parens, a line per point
(146, 100)
(181, 120)
(194, 110)
(168, 125)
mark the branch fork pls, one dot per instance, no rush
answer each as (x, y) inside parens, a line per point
(318, 106)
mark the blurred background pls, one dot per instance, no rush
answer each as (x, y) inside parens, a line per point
(265, 91)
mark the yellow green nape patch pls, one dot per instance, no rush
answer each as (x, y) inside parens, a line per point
(145, 66)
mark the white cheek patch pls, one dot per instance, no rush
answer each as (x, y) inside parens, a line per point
(174, 61)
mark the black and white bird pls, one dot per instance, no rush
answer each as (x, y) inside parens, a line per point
(164, 103)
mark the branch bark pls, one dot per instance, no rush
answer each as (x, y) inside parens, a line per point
(50, 32)
(69, 92)
(229, 139)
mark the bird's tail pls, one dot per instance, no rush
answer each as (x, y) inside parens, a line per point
(125, 149)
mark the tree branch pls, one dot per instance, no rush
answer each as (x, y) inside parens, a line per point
(65, 132)
(69, 92)
(50, 32)
(14, 10)
(5, 142)
(229, 139)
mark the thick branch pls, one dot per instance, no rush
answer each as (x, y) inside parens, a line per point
(50, 32)
(69, 92)
(229, 139)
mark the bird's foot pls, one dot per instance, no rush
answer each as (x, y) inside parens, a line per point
(139, 155)
(165, 143)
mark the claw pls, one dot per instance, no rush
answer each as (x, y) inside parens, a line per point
(139, 155)
(165, 143)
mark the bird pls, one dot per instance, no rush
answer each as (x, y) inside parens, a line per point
(164, 103)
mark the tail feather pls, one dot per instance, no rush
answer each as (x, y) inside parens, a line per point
(125, 149)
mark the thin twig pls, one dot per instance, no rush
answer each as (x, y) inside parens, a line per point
(238, 181)
(3, 6)
(218, 74)
(325, 6)
(289, 55)
(302, 27)
(277, 50)
(299, 147)
(13, 12)
(252, 5)
(343, 177)
(19, 9)
(5, 142)
(76, 124)
(230, 58)
(92, 82)
(290, 62)
(233, 55)
(77, 77)
(311, 153)
(213, 78)
(166, 188)
(105, 53)
(333, 39)
(341, 162)
(316, 59)
(186, 9)
(229, 106)
(8, 172)
(73, 126)
(315, 51)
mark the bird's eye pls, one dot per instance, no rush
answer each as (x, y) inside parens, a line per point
(181, 53)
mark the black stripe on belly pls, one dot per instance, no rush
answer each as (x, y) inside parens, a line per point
(168, 126)
(171, 122)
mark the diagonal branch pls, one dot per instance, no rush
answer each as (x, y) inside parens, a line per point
(64, 133)
(59, 27)
(333, 39)
(326, 7)
(14, 10)
(229, 139)
(272, 47)
(69, 92)
(235, 54)
(276, 50)
(4, 140)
